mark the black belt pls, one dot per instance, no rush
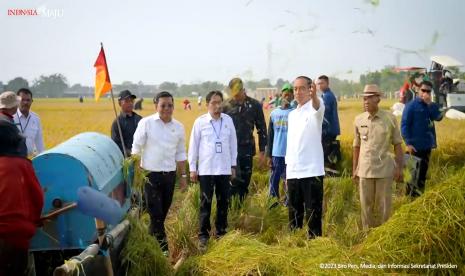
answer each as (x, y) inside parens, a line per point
(165, 173)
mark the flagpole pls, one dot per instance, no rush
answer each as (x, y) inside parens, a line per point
(123, 145)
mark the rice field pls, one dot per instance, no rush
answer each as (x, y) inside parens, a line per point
(425, 236)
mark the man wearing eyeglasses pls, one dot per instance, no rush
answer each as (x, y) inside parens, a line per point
(160, 140)
(419, 134)
(128, 120)
(212, 162)
(28, 123)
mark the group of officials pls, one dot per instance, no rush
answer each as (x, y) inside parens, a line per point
(300, 144)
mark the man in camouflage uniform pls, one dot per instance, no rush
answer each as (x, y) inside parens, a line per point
(246, 113)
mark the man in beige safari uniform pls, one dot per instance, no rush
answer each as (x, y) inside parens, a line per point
(373, 165)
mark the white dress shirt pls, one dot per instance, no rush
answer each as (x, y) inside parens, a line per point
(160, 144)
(304, 152)
(31, 128)
(213, 145)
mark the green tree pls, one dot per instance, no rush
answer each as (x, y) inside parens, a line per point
(186, 90)
(387, 79)
(344, 87)
(17, 83)
(371, 78)
(168, 86)
(279, 83)
(208, 86)
(125, 85)
(251, 85)
(52, 86)
(265, 83)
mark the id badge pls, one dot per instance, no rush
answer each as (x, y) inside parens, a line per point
(218, 147)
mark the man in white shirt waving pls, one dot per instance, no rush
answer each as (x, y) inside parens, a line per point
(160, 140)
(212, 160)
(304, 158)
(28, 123)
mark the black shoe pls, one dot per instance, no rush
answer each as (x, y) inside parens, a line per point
(203, 243)
(274, 205)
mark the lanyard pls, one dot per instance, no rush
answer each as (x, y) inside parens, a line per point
(214, 129)
(27, 123)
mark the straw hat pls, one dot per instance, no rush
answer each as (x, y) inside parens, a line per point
(372, 90)
(9, 99)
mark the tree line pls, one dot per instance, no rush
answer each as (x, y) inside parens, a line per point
(57, 85)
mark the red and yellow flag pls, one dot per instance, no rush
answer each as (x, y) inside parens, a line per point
(102, 77)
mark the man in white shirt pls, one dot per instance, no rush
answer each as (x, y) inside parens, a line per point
(28, 123)
(212, 160)
(199, 101)
(304, 158)
(160, 140)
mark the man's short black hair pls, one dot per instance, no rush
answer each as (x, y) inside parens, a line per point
(25, 91)
(324, 77)
(213, 93)
(162, 94)
(427, 83)
(309, 80)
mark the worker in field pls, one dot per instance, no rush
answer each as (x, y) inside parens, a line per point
(160, 140)
(199, 101)
(128, 121)
(212, 161)
(21, 204)
(9, 103)
(247, 114)
(304, 158)
(331, 146)
(419, 134)
(374, 169)
(187, 104)
(277, 141)
(29, 124)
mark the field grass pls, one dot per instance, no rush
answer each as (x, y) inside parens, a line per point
(429, 230)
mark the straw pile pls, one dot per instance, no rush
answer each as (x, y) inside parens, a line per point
(142, 254)
(430, 230)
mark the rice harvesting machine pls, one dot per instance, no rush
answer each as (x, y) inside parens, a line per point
(86, 200)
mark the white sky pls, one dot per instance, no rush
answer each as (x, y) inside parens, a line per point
(191, 41)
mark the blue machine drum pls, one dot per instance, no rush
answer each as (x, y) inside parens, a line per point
(88, 159)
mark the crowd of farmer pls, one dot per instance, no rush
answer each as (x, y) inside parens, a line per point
(300, 147)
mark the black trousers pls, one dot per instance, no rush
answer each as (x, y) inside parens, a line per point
(416, 187)
(158, 196)
(306, 196)
(332, 151)
(13, 261)
(240, 184)
(220, 185)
